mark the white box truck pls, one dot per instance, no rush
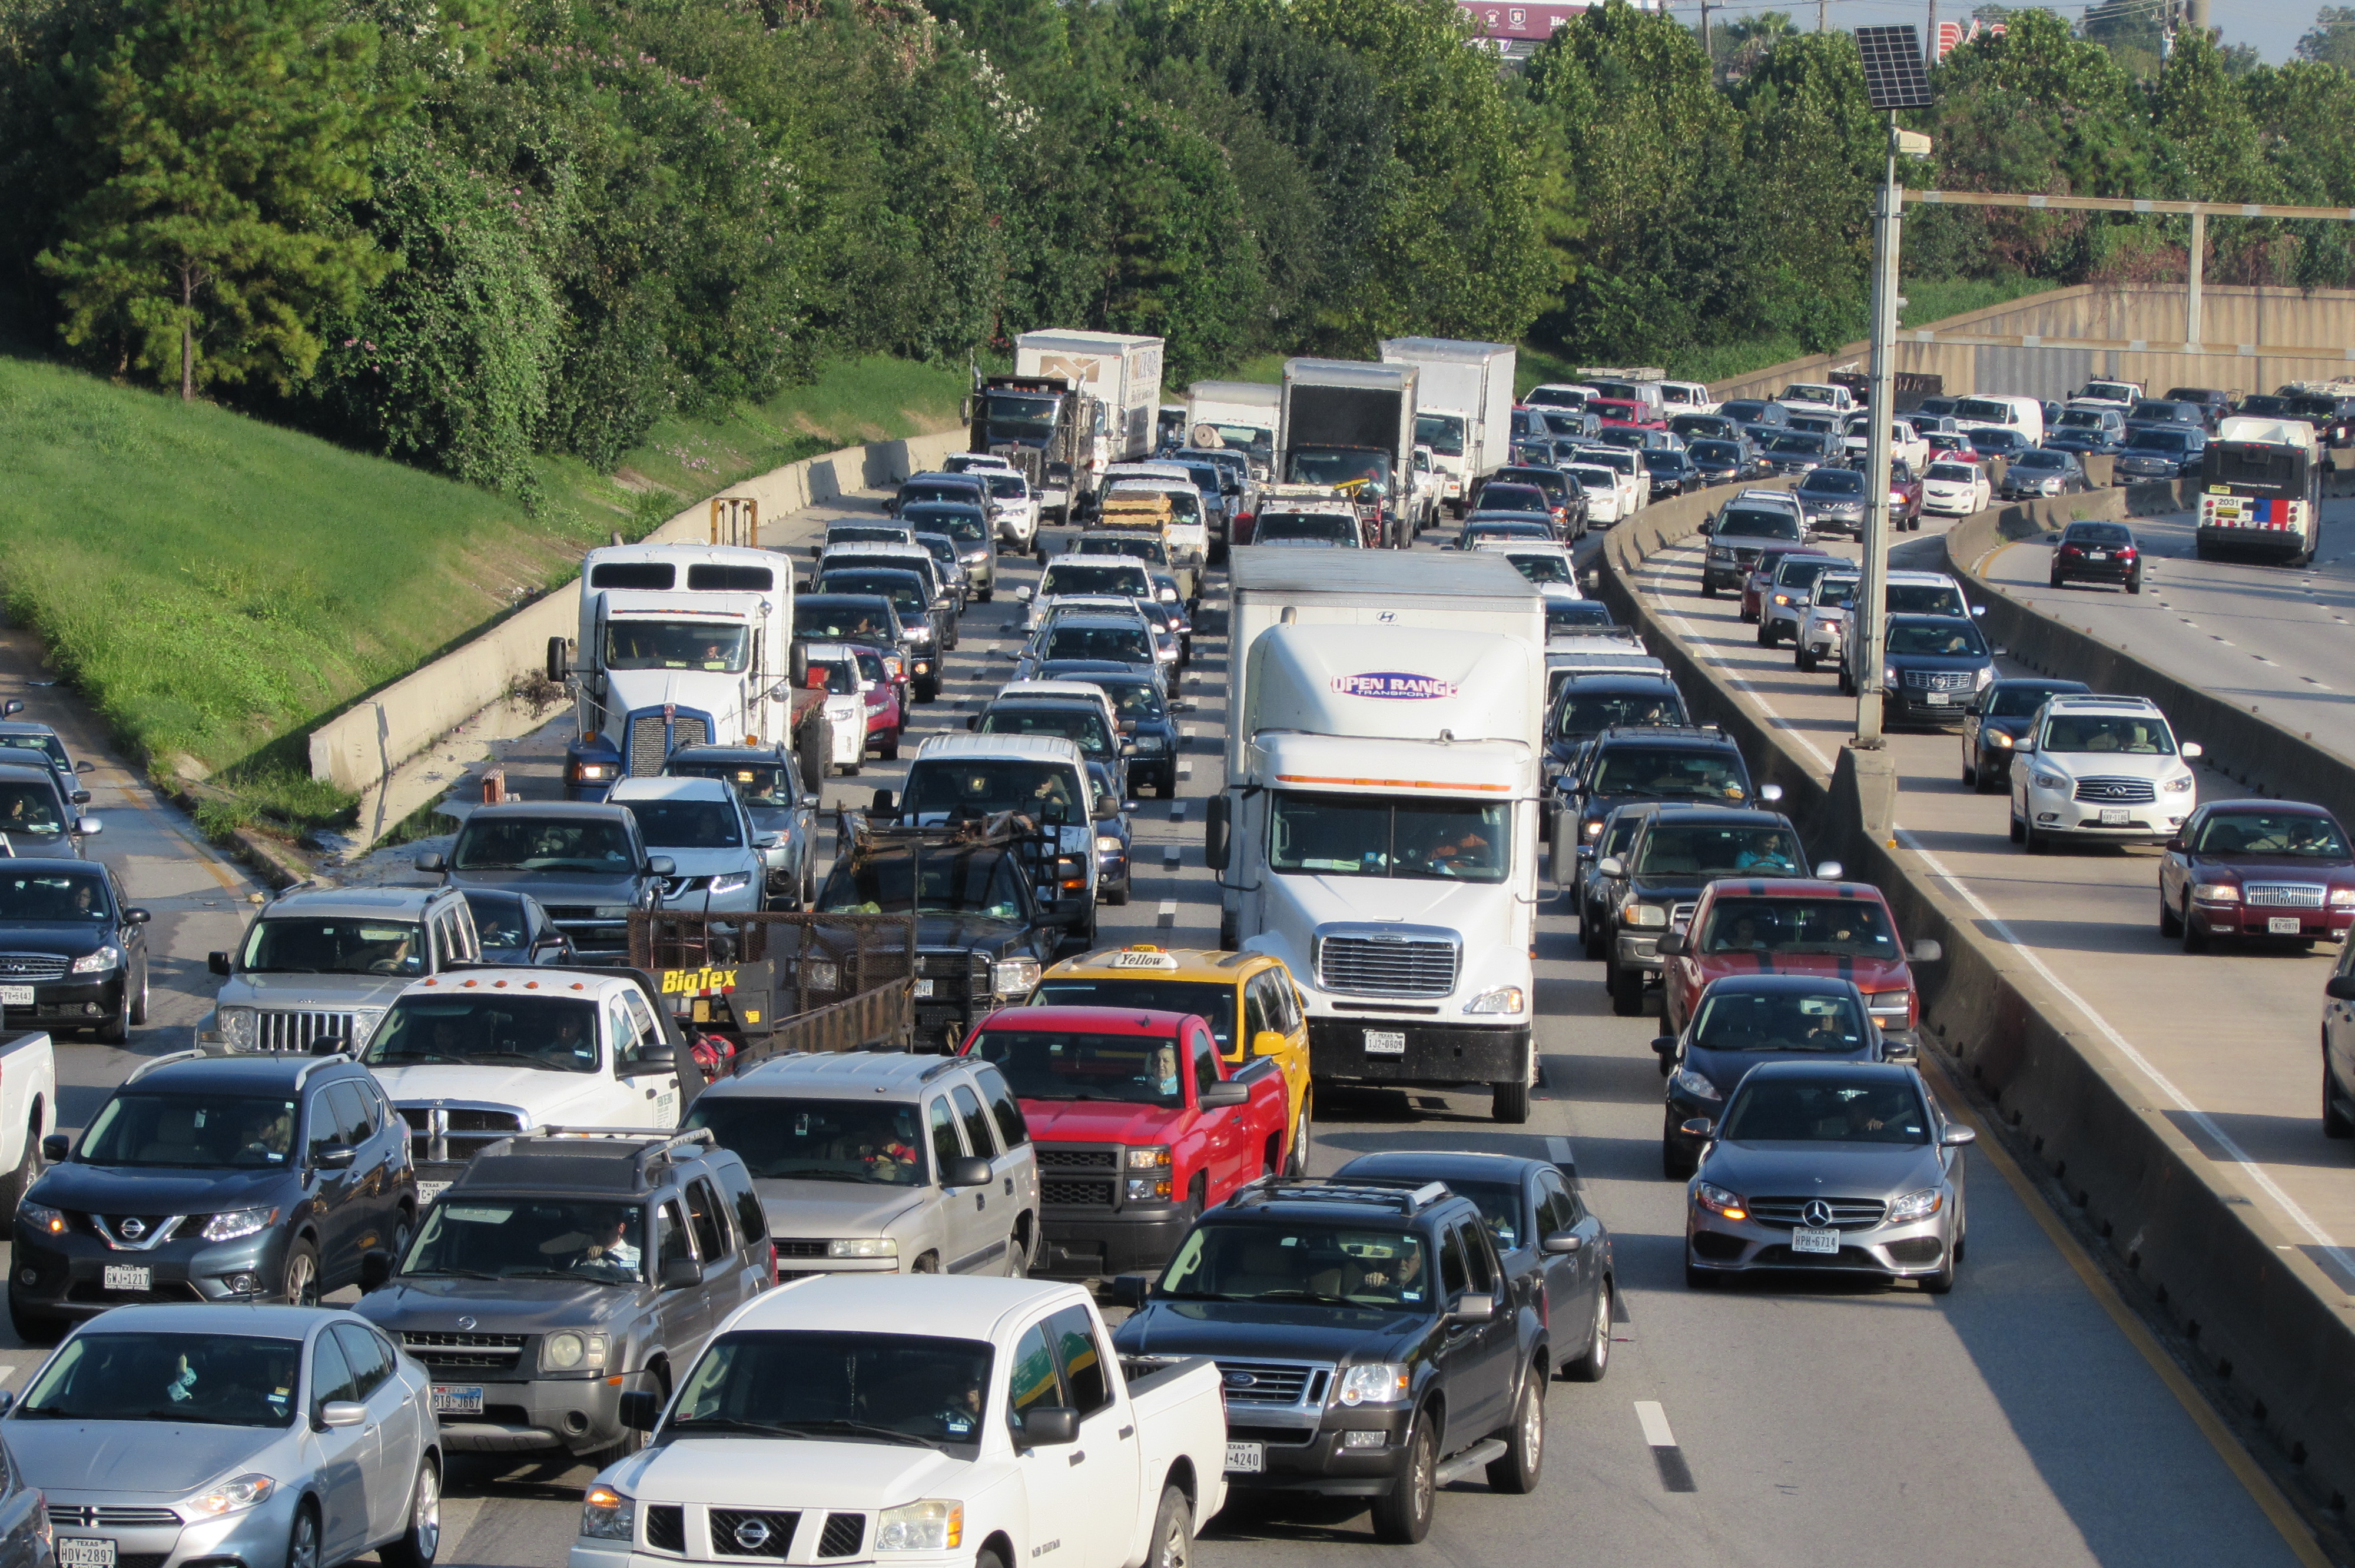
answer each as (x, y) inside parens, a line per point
(1122, 372)
(1241, 414)
(1349, 423)
(1463, 408)
(1378, 830)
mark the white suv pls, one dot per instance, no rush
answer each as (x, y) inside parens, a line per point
(1823, 619)
(2100, 768)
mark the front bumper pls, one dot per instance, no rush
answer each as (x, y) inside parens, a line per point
(2149, 823)
(1637, 950)
(1915, 706)
(1431, 1054)
(257, 1536)
(1321, 1464)
(2325, 925)
(1725, 574)
(1093, 1244)
(74, 1003)
(579, 1414)
(69, 1272)
(1719, 1246)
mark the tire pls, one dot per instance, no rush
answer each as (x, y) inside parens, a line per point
(1590, 936)
(982, 596)
(1509, 1103)
(116, 1030)
(1516, 1470)
(1402, 1516)
(139, 1007)
(2171, 924)
(929, 690)
(2019, 832)
(1592, 1366)
(1229, 937)
(298, 1277)
(421, 1536)
(1804, 660)
(2334, 1125)
(1116, 899)
(1847, 687)
(2056, 579)
(1970, 775)
(2195, 940)
(809, 884)
(1942, 1282)
(1698, 1279)
(1627, 990)
(1167, 789)
(1018, 1255)
(1708, 588)
(1304, 1142)
(1765, 639)
(2134, 583)
(1173, 1533)
(28, 1166)
(2031, 841)
(930, 1263)
(35, 1328)
(850, 769)
(890, 750)
(303, 1539)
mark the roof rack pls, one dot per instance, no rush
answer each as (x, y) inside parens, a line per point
(312, 1060)
(2098, 700)
(664, 1148)
(1325, 1190)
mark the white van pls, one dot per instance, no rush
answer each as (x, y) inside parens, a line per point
(1993, 411)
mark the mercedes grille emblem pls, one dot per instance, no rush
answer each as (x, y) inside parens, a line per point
(1818, 1213)
(465, 1323)
(752, 1535)
(133, 1228)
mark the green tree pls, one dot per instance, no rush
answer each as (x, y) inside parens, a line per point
(222, 139)
(2332, 39)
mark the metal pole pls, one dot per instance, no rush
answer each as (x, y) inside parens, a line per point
(1929, 48)
(2192, 323)
(1871, 592)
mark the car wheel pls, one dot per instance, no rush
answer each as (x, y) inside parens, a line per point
(982, 596)
(1116, 899)
(1173, 1531)
(2031, 841)
(1166, 789)
(420, 1537)
(1590, 1367)
(1970, 774)
(1303, 1143)
(1018, 1255)
(1402, 1516)
(1627, 990)
(2019, 833)
(1940, 1282)
(2171, 924)
(139, 1007)
(890, 750)
(1765, 637)
(2056, 579)
(1509, 1103)
(1590, 935)
(1697, 1278)
(2195, 940)
(1802, 659)
(28, 1166)
(302, 1541)
(2334, 1123)
(116, 1030)
(849, 769)
(928, 691)
(1516, 1470)
(1708, 586)
(2134, 583)
(300, 1285)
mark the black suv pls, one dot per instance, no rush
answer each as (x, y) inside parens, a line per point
(205, 1178)
(1622, 764)
(1369, 1339)
(562, 1271)
(1143, 708)
(1586, 705)
(1749, 522)
(1677, 850)
(586, 863)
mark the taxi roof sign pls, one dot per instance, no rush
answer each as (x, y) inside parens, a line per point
(1143, 958)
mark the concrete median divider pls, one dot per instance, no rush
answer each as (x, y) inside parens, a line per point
(359, 747)
(2257, 1304)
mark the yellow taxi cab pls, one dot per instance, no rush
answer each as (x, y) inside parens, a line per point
(1247, 1000)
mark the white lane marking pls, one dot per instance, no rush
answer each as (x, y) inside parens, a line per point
(1558, 1150)
(1167, 914)
(1170, 854)
(1655, 1422)
(1692, 639)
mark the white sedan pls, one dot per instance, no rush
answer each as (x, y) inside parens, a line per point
(1957, 489)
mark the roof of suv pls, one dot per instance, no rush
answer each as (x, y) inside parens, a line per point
(359, 903)
(671, 789)
(269, 1071)
(1043, 747)
(571, 1163)
(1296, 1198)
(849, 1074)
(1666, 734)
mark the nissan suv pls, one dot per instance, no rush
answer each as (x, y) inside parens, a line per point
(2096, 768)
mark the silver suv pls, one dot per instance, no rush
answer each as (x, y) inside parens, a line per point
(326, 964)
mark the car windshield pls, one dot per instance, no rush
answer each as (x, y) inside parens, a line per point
(1958, 642)
(1091, 576)
(1804, 442)
(1124, 644)
(29, 809)
(1589, 476)
(829, 620)
(756, 784)
(2155, 410)
(977, 883)
(940, 788)
(1591, 713)
(969, 492)
(2080, 419)
(1577, 615)
(1542, 568)
(1716, 452)
(1443, 433)
(1665, 461)
(676, 645)
(2161, 442)
(542, 843)
(2139, 735)
(190, 1129)
(1771, 1107)
(1071, 1065)
(904, 589)
(872, 1142)
(211, 1379)
(847, 1387)
(1372, 835)
(52, 749)
(1925, 598)
(959, 523)
(505, 1238)
(1802, 574)
(1708, 774)
(687, 824)
(867, 533)
(1834, 928)
(1749, 410)
(2270, 833)
(291, 944)
(1329, 525)
(1952, 472)
(552, 1033)
(1213, 1003)
(2040, 458)
(1697, 849)
(1313, 1265)
(1084, 726)
(52, 897)
(1778, 1021)
(1834, 593)
(1755, 525)
(2019, 702)
(1834, 482)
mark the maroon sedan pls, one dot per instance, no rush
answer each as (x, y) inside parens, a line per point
(2257, 868)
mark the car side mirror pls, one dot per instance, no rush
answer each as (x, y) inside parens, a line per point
(1128, 1290)
(1926, 950)
(376, 1268)
(431, 861)
(1829, 870)
(1471, 1307)
(2338, 988)
(138, 917)
(678, 1273)
(80, 797)
(89, 827)
(661, 865)
(1770, 793)
(1611, 866)
(334, 1157)
(1708, 526)
(1267, 1042)
(1561, 1244)
(56, 1148)
(1955, 1137)
(811, 802)
(1698, 1126)
(969, 1171)
(1107, 808)
(218, 963)
(85, 766)
(641, 1409)
(1022, 594)
(1671, 946)
(1050, 1427)
(1664, 1044)
(2192, 752)
(342, 1413)
(1979, 609)
(12, 707)
(1223, 1093)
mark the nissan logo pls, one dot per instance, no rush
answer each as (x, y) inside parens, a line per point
(133, 1228)
(1818, 1213)
(752, 1535)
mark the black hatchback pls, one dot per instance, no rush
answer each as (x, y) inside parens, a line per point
(233, 1179)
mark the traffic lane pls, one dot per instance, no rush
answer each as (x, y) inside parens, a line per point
(2228, 1037)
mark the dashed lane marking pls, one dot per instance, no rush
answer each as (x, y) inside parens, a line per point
(1676, 1476)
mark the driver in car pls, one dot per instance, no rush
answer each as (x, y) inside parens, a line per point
(610, 1247)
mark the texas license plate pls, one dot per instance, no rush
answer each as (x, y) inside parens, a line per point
(84, 1551)
(128, 1277)
(1936, 699)
(2115, 817)
(1385, 1043)
(1824, 1242)
(22, 996)
(2098, 555)
(455, 1399)
(429, 1191)
(923, 987)
(1249, 1457)
(2283, 925)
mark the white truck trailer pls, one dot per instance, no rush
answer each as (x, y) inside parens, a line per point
(1463, 408)
(1378, 826)
(1120, 372)
(1241, 414)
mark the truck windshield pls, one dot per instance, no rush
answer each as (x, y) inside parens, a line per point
(1716, 850)
(2174, 443)
(292, 944)
(1591, 713)
(868, 619)
(687, 824)
(1373, 835)
(942, 787)
(215, 1380)
(1926, 598)
(1018, 416)
(1757, 524)
(1214, 1004)
(676, 645)
(1443, 433)
(542, 843)
(873, 1142)
(531, 1238)
(1091, 576)
(1842, 927)
(555, 1035)
(1330, 527)
(190, 1131)
(1062, 1065)
(1642, 770)
(838, 1387)
(52, 897)
(968, 883)
(1315, 1266)
(1338, 466)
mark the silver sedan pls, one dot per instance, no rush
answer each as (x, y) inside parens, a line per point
(162, 1434)
(1840, 1166)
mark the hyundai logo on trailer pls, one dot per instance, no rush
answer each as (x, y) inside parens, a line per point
(1395, 685)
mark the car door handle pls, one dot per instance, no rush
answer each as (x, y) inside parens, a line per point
(1009, 1186)
(1127, 1432)
(1081, 1457)
(981, 1200)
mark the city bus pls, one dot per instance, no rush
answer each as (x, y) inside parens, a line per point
(2261, 491)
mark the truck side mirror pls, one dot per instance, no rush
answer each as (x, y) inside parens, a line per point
(969, 1171)
(679, 1273)
(1214, 833)
(1472, 1308)
(1225, 1093)
(560, 661)
(1267, 1042)
(1051, 1425)
(1926, 950)
(661, 865)
(881, 803)
(640, 1410)
(797, 664)
(1128, 1290)
(218, 963)
(429, 861)
(1671, 946)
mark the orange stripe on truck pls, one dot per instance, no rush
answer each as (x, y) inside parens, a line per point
(1394, 783)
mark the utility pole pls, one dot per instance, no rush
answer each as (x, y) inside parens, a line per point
(2199, 15)
(1930, 50)
(1706, 52)
(1823, 16)
(1888, 218)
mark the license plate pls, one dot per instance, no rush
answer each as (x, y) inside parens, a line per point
(1824, 1242)
(429, 1191)
(22, 996)
(452, 1399)
(1385, 1043)
(1249, 1457)
(2115, 817)
(2283, 925)
(2098, 555)
(1936, 699)
(128, 1277)
(82, 1551)
(923, 987)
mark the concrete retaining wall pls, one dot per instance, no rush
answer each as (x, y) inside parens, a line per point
(2255, 1303)
(360, 747)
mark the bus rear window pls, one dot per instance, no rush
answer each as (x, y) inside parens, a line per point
(2258, 471)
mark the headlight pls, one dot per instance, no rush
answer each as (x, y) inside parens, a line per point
(1996, 737)
(99, 962)
(1147, 744)
(2216, 892)
(731, 882)
(1718, 1201)
(1594, 829)
(231, 1497)
(2177, 786)
(1377, 1382)
(1650, 917)
(863, 1246)
(237, 1027)
(1889, 675)
(1898, 1004)
(567, 1351)
(1107, 843)
(1693, 1084)
(1986, 674)
(364, 1023)
(610, 911)
(2048, 780)
(1916, 1205)
(932, 1525)
(237, 1222)
(1014, 977)
(42, 1218)
(921, 633)
(1498, 998)
(1154, 1156)
(2342, 896)
(609, 1515)
(594, 772)
(1781, 598)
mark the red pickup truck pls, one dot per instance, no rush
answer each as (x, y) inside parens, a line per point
(1137, 1125)
(1793, 925)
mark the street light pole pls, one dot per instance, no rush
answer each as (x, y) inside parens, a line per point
(1888, 218)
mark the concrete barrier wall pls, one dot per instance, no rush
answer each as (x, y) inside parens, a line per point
(360, 747)
(2254, 1301)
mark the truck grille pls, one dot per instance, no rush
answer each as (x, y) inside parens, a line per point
(667, 1528)
(1387, 966)
(648, 752)
(751, 1532)
(2116, 791)
(1077, 1159)
(32, 966)
(439, 1136)
(1939, 680)
(843, 1534)
(296, 1031)
(483, 1352)
(1075, 1192)
(799, 1248)
(1847, 1213)
(2284, 895)
(1273, 1382)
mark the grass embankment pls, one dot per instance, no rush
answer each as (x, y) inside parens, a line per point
(216, 586)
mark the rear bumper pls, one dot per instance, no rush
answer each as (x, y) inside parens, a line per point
(1092, 1244)
(1435, 1054)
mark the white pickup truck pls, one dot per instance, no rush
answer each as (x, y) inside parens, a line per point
(929, 1420)
(28, 1109)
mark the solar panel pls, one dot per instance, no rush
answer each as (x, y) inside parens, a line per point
(1894, 77)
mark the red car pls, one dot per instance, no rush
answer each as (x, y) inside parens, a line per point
(1627, 411)
(1137, 1125)
(2276, 869)
(1905, 498)
(1947, 446)
(1796, 926)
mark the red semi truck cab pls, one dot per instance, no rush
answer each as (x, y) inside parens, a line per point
(1137, 1125)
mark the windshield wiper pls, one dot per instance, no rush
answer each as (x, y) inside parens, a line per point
(533, 1057)
(866, 1429)
(188, 1416)
(825, 1176)
(448, 1274)
(729, 1424)
(1312, 1296)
